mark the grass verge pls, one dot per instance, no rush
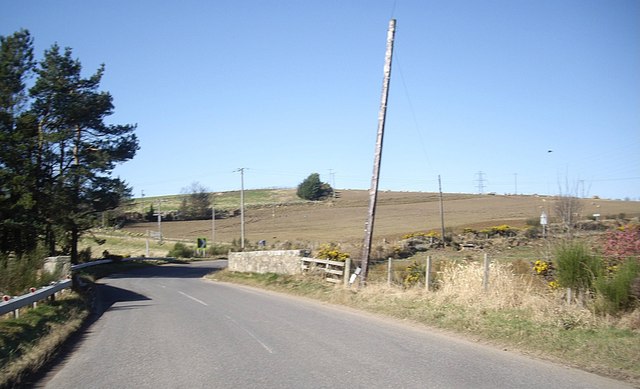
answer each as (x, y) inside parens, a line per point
(521, 319)
(27, 343)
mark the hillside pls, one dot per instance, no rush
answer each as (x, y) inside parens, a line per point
(279, 216)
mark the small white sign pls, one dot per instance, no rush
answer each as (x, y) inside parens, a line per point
(543, 219)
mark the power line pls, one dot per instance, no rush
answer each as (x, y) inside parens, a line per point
(480, 182)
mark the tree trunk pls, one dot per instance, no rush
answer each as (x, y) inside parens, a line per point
(75, 237)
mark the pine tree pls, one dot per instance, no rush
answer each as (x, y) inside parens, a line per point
(58, 153)
(18, 209)
(313, 189)
(76, 147)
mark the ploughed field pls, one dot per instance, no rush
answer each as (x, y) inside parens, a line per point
(342, 220)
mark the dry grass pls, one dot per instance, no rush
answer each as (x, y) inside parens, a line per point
(124, 243)
(36, 357)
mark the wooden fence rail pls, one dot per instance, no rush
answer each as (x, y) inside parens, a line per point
(335, 271)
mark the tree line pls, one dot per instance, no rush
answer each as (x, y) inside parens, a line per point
(57, 152)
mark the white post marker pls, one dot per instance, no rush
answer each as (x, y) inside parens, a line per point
(354, 275)
(543, 223)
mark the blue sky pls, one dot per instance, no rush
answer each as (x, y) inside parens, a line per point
(480, 90)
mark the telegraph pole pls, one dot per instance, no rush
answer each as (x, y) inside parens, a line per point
(373, 191)
(159, 220)
(332, 177)
(213, 222)
(441, 210)
(241, 170)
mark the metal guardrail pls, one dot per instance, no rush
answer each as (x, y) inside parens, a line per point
(89, 264)
(28, 299)
(18, 302)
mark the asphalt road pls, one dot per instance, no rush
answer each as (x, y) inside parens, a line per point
(166, 327)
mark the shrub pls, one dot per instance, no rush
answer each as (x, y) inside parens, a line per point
(331, 252)
(218, 249)
(181, 250)
(615, 289)
(84, 255)
(576, 267)
(622, 243)
(313, 189)
(236, 244)
(532, 232)
(414, 274)
(547, 271)
(430, 234)
(502, 230)
(18, 273)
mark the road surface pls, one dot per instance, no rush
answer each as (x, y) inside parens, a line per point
(166, 327)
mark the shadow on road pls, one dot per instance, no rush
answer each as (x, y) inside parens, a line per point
(107, 295)
(104, 296)
(176, 270)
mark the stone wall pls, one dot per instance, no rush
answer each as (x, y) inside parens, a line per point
(62, 264)
(277, 261)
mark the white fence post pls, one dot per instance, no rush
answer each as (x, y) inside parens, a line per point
(347, 272)
(427, 274)
(485, 279)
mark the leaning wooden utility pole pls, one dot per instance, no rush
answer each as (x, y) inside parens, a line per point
(444, 242)
(373, 191)
(241, 170)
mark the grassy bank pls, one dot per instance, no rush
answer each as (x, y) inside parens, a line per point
(27, 343)
(515, 314)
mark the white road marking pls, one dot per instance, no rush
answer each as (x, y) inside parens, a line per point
(194, 299)
(250, 334)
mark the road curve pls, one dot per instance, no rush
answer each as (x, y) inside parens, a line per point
(167, 327)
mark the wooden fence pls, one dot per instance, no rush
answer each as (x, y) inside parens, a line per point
(334, 271)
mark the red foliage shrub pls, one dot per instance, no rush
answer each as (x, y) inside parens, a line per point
(623, 243)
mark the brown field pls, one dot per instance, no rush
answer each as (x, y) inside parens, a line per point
(343, 220)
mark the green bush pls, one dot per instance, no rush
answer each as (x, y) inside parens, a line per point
(414, 274)
(19, 273)
(576, 267)
(313, 189)
(218, 249)
(332, 252)
(532, 232)
(236, 244)
(181, 250)
(84, 255)
(501, 230)
(615, 290)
